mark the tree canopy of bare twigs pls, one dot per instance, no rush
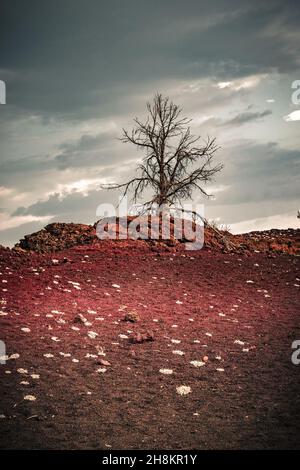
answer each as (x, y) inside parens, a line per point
(175, 162)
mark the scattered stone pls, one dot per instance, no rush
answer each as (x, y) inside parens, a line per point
(92, 334)
(104, 362)
(80, 319)
(132, 317)
(142, 337)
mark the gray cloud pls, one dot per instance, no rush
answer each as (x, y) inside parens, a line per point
(253, 173)
(246, 117)
(71, 68)
(96, 57)
(258, 173)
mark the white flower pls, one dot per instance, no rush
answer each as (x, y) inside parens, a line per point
(35, 376)
(237, 341)
(92, 334)
(179, 353)
(30, 397)
(116, 286)
(166, 371)
(101, 370)
(123, 336)
(183, 390)
(26, 330)
(175, 341)
(22, 371)
(197, 363)
(48, 355)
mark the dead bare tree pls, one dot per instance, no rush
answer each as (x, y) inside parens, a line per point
(175, 164)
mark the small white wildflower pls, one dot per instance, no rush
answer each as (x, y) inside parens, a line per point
(197, 363)
(183, 390)
(92, 334)
(178, 352)
(166, 371)
(30, 397)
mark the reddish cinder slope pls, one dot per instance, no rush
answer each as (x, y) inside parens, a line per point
(92, 387)
(60, 236)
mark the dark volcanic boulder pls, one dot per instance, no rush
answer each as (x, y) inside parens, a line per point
(58, 236)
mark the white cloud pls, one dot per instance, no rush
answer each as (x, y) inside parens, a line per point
(242, 83)
(83, 186)
(7, 221)
(222, 85)
(293, 116)
(279, 221)
(5, 191)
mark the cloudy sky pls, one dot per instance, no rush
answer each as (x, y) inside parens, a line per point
(77, 71)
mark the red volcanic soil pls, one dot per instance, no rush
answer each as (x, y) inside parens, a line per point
(96, 380)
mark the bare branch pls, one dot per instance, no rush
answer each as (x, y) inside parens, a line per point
(174, 164)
